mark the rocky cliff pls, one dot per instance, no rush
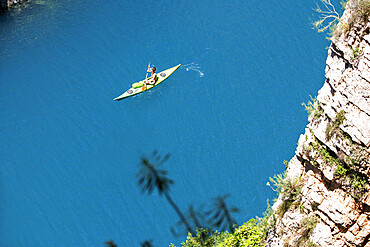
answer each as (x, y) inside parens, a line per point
(325, 199)
(5, 4)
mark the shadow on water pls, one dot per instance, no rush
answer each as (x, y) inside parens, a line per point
(212, 216)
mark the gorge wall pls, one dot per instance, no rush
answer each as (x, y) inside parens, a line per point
(5, 4)
(326, 199)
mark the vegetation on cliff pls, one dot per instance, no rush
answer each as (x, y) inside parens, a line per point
(329, 19)
(252, 233)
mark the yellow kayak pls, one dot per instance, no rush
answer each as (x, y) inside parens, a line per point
(139, 89)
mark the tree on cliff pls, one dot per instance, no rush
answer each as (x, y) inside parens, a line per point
(328, 17)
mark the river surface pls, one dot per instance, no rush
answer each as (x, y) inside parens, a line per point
(229, 116)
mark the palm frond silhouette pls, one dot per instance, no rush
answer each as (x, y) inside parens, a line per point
(151, 177)
(193, 216)
(220, 214)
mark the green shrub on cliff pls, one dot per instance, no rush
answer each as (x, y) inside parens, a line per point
(251, 234)
(359, 184)
(313, 108)
(344, 3)
(324, 153)
(204, 238)
(248, 234)
(289, 189)
(332, 128)
(310, 106)
(359, 13)
(286, 186)
(307, 225)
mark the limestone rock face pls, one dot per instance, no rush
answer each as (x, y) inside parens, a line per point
(331, 166)
(4, 4)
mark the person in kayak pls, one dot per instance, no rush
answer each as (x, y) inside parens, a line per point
(153, 77)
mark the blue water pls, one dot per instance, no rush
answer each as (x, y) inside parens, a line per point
(229, 117)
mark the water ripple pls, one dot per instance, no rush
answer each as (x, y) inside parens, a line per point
(193, 67)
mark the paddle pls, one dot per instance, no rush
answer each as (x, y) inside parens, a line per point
(146, 77)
